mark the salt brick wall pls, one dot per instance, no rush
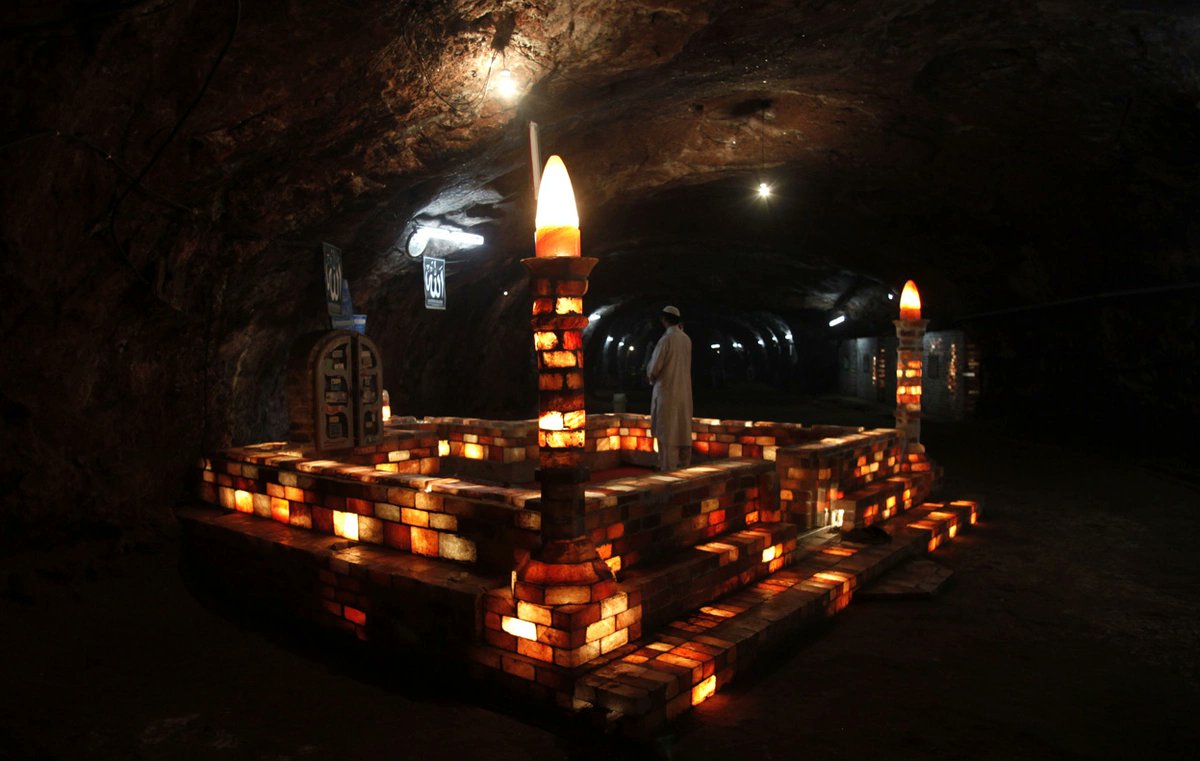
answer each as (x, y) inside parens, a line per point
(812, 476)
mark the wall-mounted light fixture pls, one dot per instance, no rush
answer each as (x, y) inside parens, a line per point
(423, 234)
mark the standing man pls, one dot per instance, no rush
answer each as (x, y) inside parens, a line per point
(670, 371)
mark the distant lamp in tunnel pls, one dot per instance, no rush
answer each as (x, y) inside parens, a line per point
(910, 302)
(764, 190)
(837, 320)
(386, 411)
(557, 219)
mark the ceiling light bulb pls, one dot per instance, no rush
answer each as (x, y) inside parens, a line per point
(506, 86)
(764, 190)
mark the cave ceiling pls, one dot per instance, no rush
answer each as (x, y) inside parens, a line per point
(968, 144)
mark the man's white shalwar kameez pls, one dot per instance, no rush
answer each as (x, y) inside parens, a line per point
(670, 371)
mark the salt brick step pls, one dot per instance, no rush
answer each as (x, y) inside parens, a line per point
(698, 575)
(348, 582)
(880, 500)
(663, 675)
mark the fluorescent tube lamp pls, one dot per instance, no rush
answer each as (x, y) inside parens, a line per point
(423, 234)
(837, 320)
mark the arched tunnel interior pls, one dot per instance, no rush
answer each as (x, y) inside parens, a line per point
(172, 170)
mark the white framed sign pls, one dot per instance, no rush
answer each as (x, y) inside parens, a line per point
(435, 283)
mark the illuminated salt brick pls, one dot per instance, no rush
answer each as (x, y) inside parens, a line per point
(345, 525)
(568, 306)
(535, 650)
(414, 517)
(427, 501)
(243, 502)
(545, 340)
(292, 494)
(443, 448)
(474, 452)
(601, 629)
(453, 547)
(558, 359)
(385, 511)
(370, 529)
(355, 615)
(629, 617)
(705, 690)
(280, 510)
(614, 640)
(425, 542)
(443, 522)
(611, 606)
(518, 627)
(533, 613)
(262, 505)
(567, 595)
(578, 656)
(614, 564)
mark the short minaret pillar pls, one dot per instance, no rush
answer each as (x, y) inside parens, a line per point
(910, 366)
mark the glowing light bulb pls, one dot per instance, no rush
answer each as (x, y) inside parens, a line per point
(910, 302)
(764, 190)
(557, 220)
(506, 85)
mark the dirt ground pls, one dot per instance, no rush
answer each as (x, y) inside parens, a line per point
(1070, 630)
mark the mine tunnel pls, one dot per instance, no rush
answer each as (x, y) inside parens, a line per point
(178, 177)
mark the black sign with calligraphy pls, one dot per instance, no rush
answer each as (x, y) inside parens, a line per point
(435, 283)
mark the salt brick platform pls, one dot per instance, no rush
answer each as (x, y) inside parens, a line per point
(708, 567)
(380, 596)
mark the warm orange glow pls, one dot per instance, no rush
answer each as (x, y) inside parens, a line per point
(443, 448)
(551, 421)
(243, 501)
(562, 439)
(558, 358)
(345, 525)
(386, 412)
(472, 451)
(704, 690)
(545, 340)
(568, 305)
(910, 302)
(519, 628)
(556, 197)
(557, 218)
(573, 421)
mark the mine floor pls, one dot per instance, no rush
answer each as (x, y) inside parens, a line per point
(1071, 627)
